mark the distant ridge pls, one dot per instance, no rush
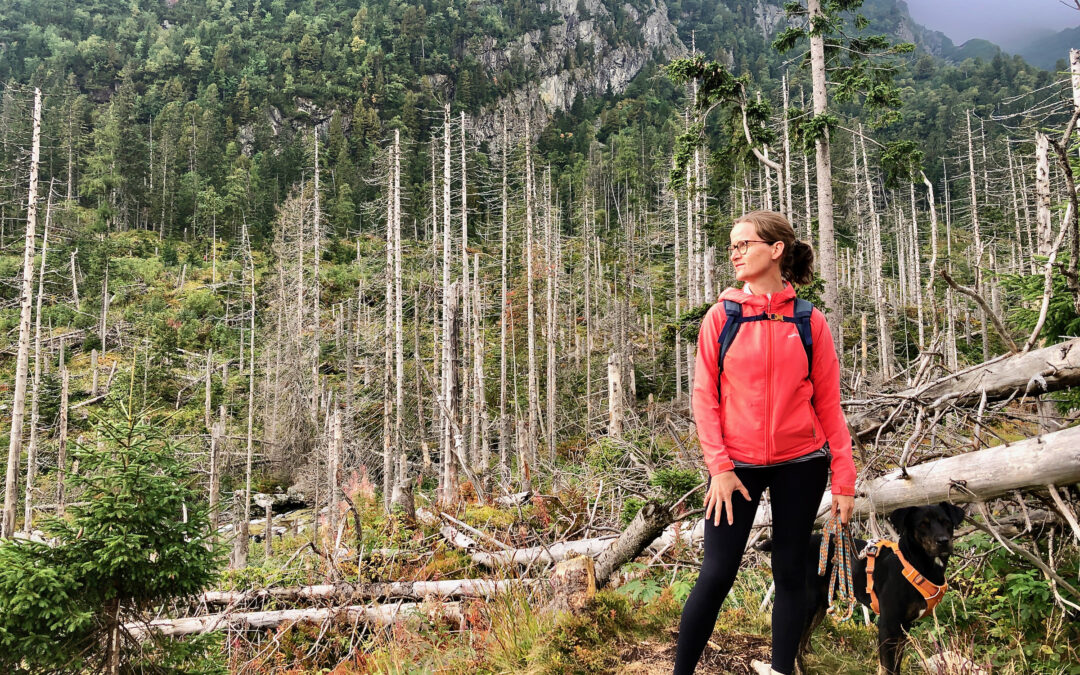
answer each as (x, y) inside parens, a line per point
(1047, 50)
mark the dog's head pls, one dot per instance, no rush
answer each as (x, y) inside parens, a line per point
(929, 527)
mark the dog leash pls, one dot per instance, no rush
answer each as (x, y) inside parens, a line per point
(841, 581)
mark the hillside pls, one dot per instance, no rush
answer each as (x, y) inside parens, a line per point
(1047, 51)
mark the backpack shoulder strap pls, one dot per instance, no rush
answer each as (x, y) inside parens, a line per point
(803, 310)
(728, 333)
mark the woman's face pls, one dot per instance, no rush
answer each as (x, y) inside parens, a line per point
(760, 261)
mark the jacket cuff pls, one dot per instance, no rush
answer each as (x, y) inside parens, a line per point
(845, 490)
(722, 467)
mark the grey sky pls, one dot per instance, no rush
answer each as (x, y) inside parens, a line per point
(1009, 23)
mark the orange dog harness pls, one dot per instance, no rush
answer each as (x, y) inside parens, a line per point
(931, 592)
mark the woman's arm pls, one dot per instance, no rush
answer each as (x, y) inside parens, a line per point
(826, 378)
(705, 401)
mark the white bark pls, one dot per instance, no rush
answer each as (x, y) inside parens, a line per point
(504, 420)
(388, 328)
(1031, 373)
(615, 396)
(445, 443)
(978, 475)
(826, 236)
(399, 346)
(31, 453)
(1045, 231)
(533, 377)
(1074, 68)
(342, 593)
(11, 480)
(375, 615)
(61, 452)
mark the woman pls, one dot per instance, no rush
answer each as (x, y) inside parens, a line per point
(774, 422)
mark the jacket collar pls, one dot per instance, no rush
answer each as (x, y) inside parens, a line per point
(744, 297)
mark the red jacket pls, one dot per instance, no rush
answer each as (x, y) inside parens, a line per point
(770, 411)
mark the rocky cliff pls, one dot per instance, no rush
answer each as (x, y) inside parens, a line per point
(598, 47)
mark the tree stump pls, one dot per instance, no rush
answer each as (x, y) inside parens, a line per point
(573, 584)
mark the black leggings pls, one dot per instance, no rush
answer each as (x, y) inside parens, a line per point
(795, 491)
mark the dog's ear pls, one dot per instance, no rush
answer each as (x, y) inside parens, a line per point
(955, 513)
(901, 518)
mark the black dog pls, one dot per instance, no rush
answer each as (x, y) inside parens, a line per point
(926, 541)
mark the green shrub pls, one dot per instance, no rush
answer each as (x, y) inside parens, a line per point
(673, 483)
(120, 553)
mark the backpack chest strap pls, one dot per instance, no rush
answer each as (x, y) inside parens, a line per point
(735, 319)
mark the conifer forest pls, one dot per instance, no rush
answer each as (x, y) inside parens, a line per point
(359, 336)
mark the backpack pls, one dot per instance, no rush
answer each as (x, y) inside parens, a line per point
(735, 319)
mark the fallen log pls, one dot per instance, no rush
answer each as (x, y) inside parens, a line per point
(544, 554)
(975, 476)
(646, 526)
(455, 538)
(1035, 372)
(353, 593)
(610, 552)
(374, 615)
(512, 500)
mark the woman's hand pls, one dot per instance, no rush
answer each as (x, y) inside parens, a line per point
(721, 487)
(844, 505)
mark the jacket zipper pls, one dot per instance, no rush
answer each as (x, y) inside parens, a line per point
(768, 382)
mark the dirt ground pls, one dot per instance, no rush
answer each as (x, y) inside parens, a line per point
(728, 653)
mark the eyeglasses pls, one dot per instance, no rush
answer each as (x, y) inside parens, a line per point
(743, 246)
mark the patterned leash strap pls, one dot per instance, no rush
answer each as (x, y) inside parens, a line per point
(841, 580)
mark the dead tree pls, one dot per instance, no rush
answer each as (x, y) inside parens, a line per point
(18, 408)
(35, 394)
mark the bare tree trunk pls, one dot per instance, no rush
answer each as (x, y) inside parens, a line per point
(399, 346)
(74, 280)
(453, 401)
(217, 437)
(885, 344)
(207, 407)
(915, 256)
(480, 412)
(103, 327)
(787, 156)
(534, 387)
(388, 345)
(551, 243)
(61, 443)
(31, 453)
(504, 419)
(446, 450)
(976, 235)
(316, 292)
(333, 460)
(806, 181)
(826, 234)
(466, 310)
(691, 267)
(587, 246)
(268, 532)
(933, 252)
(1042, 193)
(678, 303)
(11, 479)
(240, 550)
(615, 396)
(1074, 69)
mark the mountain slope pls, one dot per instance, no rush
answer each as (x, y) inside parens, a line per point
(1048, 50)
